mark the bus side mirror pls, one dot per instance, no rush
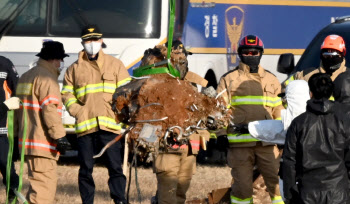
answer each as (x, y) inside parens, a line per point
(286, 63)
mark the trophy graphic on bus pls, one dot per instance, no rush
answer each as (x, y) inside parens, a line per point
(234, 21)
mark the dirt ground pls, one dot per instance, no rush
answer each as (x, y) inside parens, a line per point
(204, 181)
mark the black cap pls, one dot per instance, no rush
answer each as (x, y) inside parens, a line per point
(52, 50)
(177, 44)
(91, 31)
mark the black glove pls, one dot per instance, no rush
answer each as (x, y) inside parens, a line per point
(238, 129)
(222, 143)
(211, 123)
(63, 145)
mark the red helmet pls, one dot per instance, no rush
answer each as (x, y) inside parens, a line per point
(251, 42)
(335, 42)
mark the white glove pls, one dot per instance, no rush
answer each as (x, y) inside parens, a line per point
(12, 103)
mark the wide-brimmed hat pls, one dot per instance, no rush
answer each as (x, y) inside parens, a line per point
(52, 50)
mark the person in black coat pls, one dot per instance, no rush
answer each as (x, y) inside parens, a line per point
(316, 152)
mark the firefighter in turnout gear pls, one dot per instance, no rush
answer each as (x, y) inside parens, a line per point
(39, 90)
(174, 168)
(251, 92)
(87, 94)
(332, 60)
(8, 81)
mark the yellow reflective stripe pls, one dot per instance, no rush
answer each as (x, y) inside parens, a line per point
(86, 125)
(279, 118)
(234, 138)
(90, 88)
(256, 100)
(124, 81)
(109, 88)
(67, 89)
(212, 135)
(109, 122)
(70, 102)
(331, 98)
(235, 200)
(289, 80)
(277, 200)
(228, 106)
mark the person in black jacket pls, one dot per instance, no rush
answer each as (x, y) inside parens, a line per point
(8, 83)
(316, 152)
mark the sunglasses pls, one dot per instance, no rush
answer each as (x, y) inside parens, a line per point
(250, 52)
(330, 54)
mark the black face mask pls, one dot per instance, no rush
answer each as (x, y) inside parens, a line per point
(252, 61)
(331, 64)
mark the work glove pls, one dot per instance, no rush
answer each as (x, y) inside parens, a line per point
(12, 103)
(238, 129)
(222, 143)
(63, 145)
(211, 123)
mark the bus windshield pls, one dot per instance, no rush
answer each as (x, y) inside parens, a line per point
(65, 18)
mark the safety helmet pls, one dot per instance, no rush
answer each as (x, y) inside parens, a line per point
(251, 42)
(335, 42)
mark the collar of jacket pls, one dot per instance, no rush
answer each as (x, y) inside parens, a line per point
(246, 70)
(48, 66)
(341, 69)
(320, 106)
(99, 62)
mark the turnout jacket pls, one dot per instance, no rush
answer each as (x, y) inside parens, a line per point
(87, 92)
(39, 90)
(316, 155)
(251, 96)
(8, 82)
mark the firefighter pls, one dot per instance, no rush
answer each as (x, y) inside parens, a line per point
(332, 60)
(87, 94)
(8, 81)
(316, 154)
(251, 93)
(174, 168)
(38, 88)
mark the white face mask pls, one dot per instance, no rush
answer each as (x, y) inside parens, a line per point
(92, 48)
(61, 66)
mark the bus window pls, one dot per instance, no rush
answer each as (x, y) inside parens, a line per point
(125, 18)
(31, 21)
(7, 7)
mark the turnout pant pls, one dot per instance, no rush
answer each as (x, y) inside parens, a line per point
(88, 146)
(242, 161)
(4, 148)
(174, 173)
(42, 177)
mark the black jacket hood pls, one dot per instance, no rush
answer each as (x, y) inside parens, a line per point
(320, 106)
(341, 91)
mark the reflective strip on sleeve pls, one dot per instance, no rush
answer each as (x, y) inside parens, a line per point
(123, 82)
(331, 98)
(289, 80)
(277, 200)
(235, 200)
(67, 89)
(31, 105)
(213, 135)
(195, 144)
(92, 123)
(279, 118)
(37, 144)
(234, 138)
(256, 100)
(70, 102)
(48, 100)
